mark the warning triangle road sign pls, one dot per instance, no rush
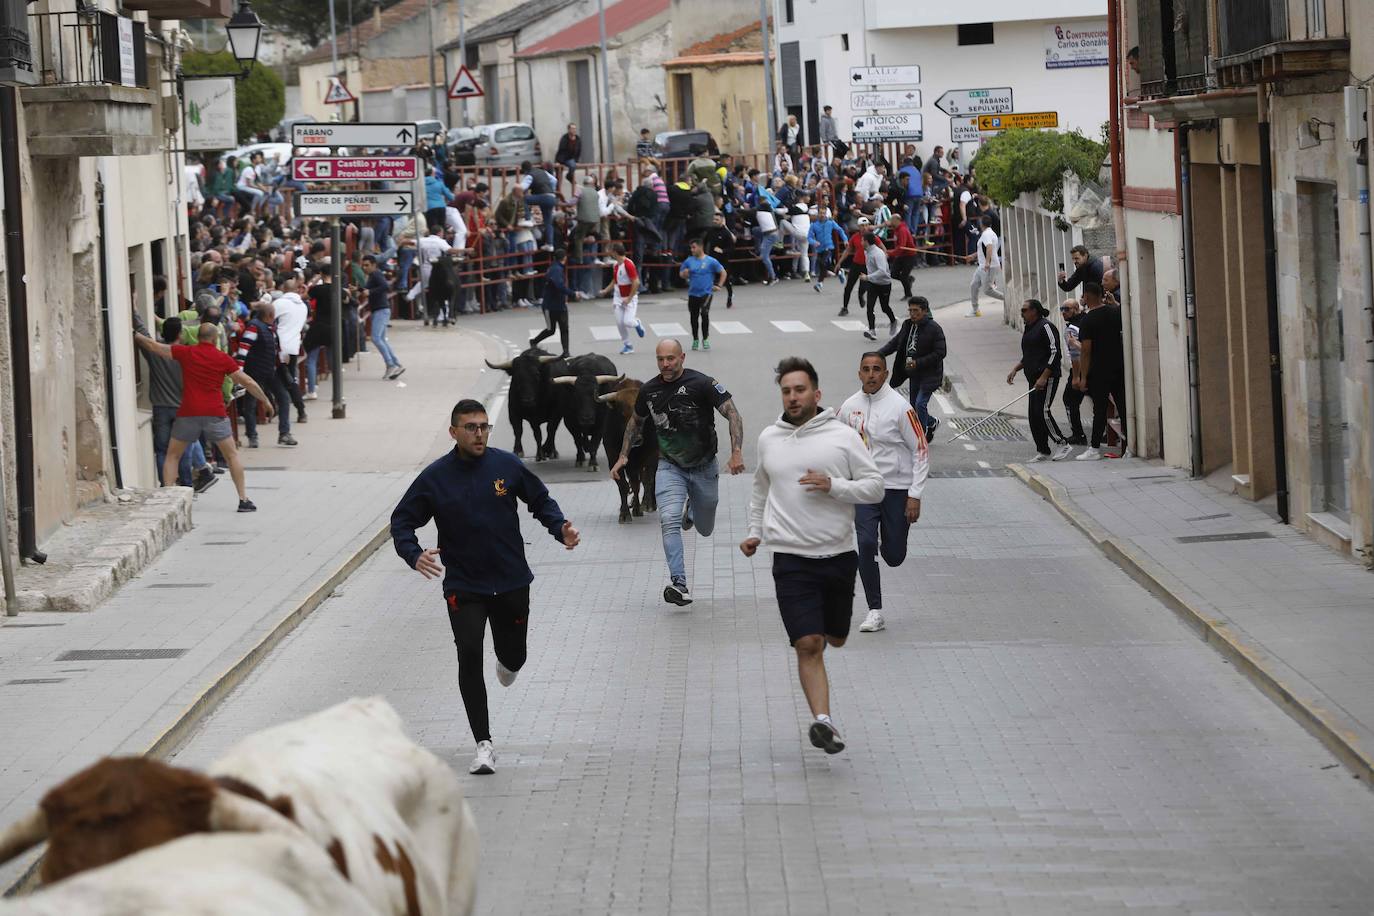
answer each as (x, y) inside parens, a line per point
(464, 86)
(337, 93)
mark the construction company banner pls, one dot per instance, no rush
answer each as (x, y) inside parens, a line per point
(1076, 44)
(210, 120)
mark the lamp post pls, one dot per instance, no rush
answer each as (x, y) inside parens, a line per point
(245, 34)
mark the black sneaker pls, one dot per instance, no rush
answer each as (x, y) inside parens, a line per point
(301, 417)
(398, 372)
(252, 441)
(677, 593)
(825, 736)
(844, 312)
(204, 480)
(930, 431)
(221, 469)
(287, 440)
(246, 505)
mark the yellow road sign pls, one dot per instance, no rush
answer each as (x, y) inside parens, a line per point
(1030, 119)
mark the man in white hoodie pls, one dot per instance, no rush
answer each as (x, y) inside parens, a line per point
(292, 314)
(811, 469)
(889, 427)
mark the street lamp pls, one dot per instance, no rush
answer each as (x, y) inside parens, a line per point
(245, 31)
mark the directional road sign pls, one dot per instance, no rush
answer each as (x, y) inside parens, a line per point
(964, 130)
(399, 134)
(961, 103)
(355, 203)
(1031, 119)
(353, 168)
(877, 101)
(337, 93)
(884, 76)
(464, 85)
(897, 125)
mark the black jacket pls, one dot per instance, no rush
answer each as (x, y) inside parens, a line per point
(926, 346)
(1040, 349)
(474, 505)
(569, 149)
(1091, 269)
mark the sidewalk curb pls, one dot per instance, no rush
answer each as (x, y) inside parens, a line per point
(1332, 728)
(221, 687)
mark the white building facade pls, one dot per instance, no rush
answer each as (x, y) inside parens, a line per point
(1051, 54)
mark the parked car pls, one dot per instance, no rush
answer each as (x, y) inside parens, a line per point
(462, 144)
(282, 132)
(428, 128)
(507, 143)
(677, 144)
(279, 152)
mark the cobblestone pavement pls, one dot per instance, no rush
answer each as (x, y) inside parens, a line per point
(1033, 733)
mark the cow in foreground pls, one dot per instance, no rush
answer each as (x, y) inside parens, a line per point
(642, 469)
(532, 400)
(577, 392)
(389, 814)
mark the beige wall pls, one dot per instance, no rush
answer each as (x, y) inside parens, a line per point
(728, 101)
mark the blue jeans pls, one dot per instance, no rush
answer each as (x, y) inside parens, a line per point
(765, 253)
(377, 328)
(673, 487)
(920, 402)
(545, 203)
(404, 258)
(312, 368)
(915, 210)
(880, 527)
(192, 458)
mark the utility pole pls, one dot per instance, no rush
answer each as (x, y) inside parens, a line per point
(462, 60)
(333, 52)
(767, 77)
(433, 90)
(609, 152)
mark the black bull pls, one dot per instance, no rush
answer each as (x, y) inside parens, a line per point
(640, 472)
(577, 391)
(531, 399)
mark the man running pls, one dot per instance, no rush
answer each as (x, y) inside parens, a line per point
(705, 276)
(812, 468)
(471, 494)
(624, 290)
(890, 428)
(680, 402)
(987, 278)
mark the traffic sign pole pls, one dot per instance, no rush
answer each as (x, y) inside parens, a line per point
(339, 410)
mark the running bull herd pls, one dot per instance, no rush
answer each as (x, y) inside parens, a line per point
(337, 813)
(585, 394)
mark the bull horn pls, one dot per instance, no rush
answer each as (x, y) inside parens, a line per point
(23, 834)
(564, 379)
(606, 398)
(504, 367)
(608, 379)
(549, 358)
(232, 812)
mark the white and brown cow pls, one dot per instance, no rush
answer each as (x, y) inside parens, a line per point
(390, 814)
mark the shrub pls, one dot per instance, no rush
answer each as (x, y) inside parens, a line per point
(1035, 161)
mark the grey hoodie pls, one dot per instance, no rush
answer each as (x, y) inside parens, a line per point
(788, 517)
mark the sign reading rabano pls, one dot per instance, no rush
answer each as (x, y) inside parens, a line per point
(210, 119)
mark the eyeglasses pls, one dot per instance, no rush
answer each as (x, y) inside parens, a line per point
(473, 429)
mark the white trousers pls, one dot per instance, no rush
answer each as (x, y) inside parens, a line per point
(988, 280)
(625, 319)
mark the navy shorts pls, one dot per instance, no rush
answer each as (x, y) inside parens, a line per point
(815, 595)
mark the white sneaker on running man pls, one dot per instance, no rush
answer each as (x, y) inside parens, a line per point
(826, 736)
(873, 622)
(484, 764)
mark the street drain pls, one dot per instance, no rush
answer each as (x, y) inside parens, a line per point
(224, 543)
(36, 680)
(111, 655)
(10, 626)
(1234, 536)
(180, 585)
(989, 429)
(972, 472)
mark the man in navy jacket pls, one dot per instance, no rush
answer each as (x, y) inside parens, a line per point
(471, 494)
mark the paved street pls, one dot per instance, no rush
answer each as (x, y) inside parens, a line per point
(1033, 733)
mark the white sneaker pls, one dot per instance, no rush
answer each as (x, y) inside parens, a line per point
(1062, 452)
(826, 736)
(484, 764)
(1089, 454)
(677, 593)
(504, 674)
(310, 395)
(873, 623)
(1037, 458)
(973, 314)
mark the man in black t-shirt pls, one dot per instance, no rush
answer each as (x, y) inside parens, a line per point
(683, 404)
(1101, 366)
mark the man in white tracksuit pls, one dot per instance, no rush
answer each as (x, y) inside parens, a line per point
(624, 289)
(890, 428)
(811, 469)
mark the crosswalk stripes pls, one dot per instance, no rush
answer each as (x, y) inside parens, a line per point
(667, 329)
(848, 324)
(791, 327)
(729, 327)
(604, 332)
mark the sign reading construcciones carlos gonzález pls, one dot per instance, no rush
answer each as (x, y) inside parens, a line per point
(1080, 44)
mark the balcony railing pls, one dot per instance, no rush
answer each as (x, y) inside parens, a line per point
(1244, 25)
(1173, 46)
(89, 49)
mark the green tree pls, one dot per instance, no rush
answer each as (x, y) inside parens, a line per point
(1031, 161)
(308, 20)
(260, 101)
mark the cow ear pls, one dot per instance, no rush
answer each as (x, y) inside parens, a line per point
(231, 812)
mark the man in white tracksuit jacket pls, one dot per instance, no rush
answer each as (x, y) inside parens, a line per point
(811, 469)
(893, 433)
